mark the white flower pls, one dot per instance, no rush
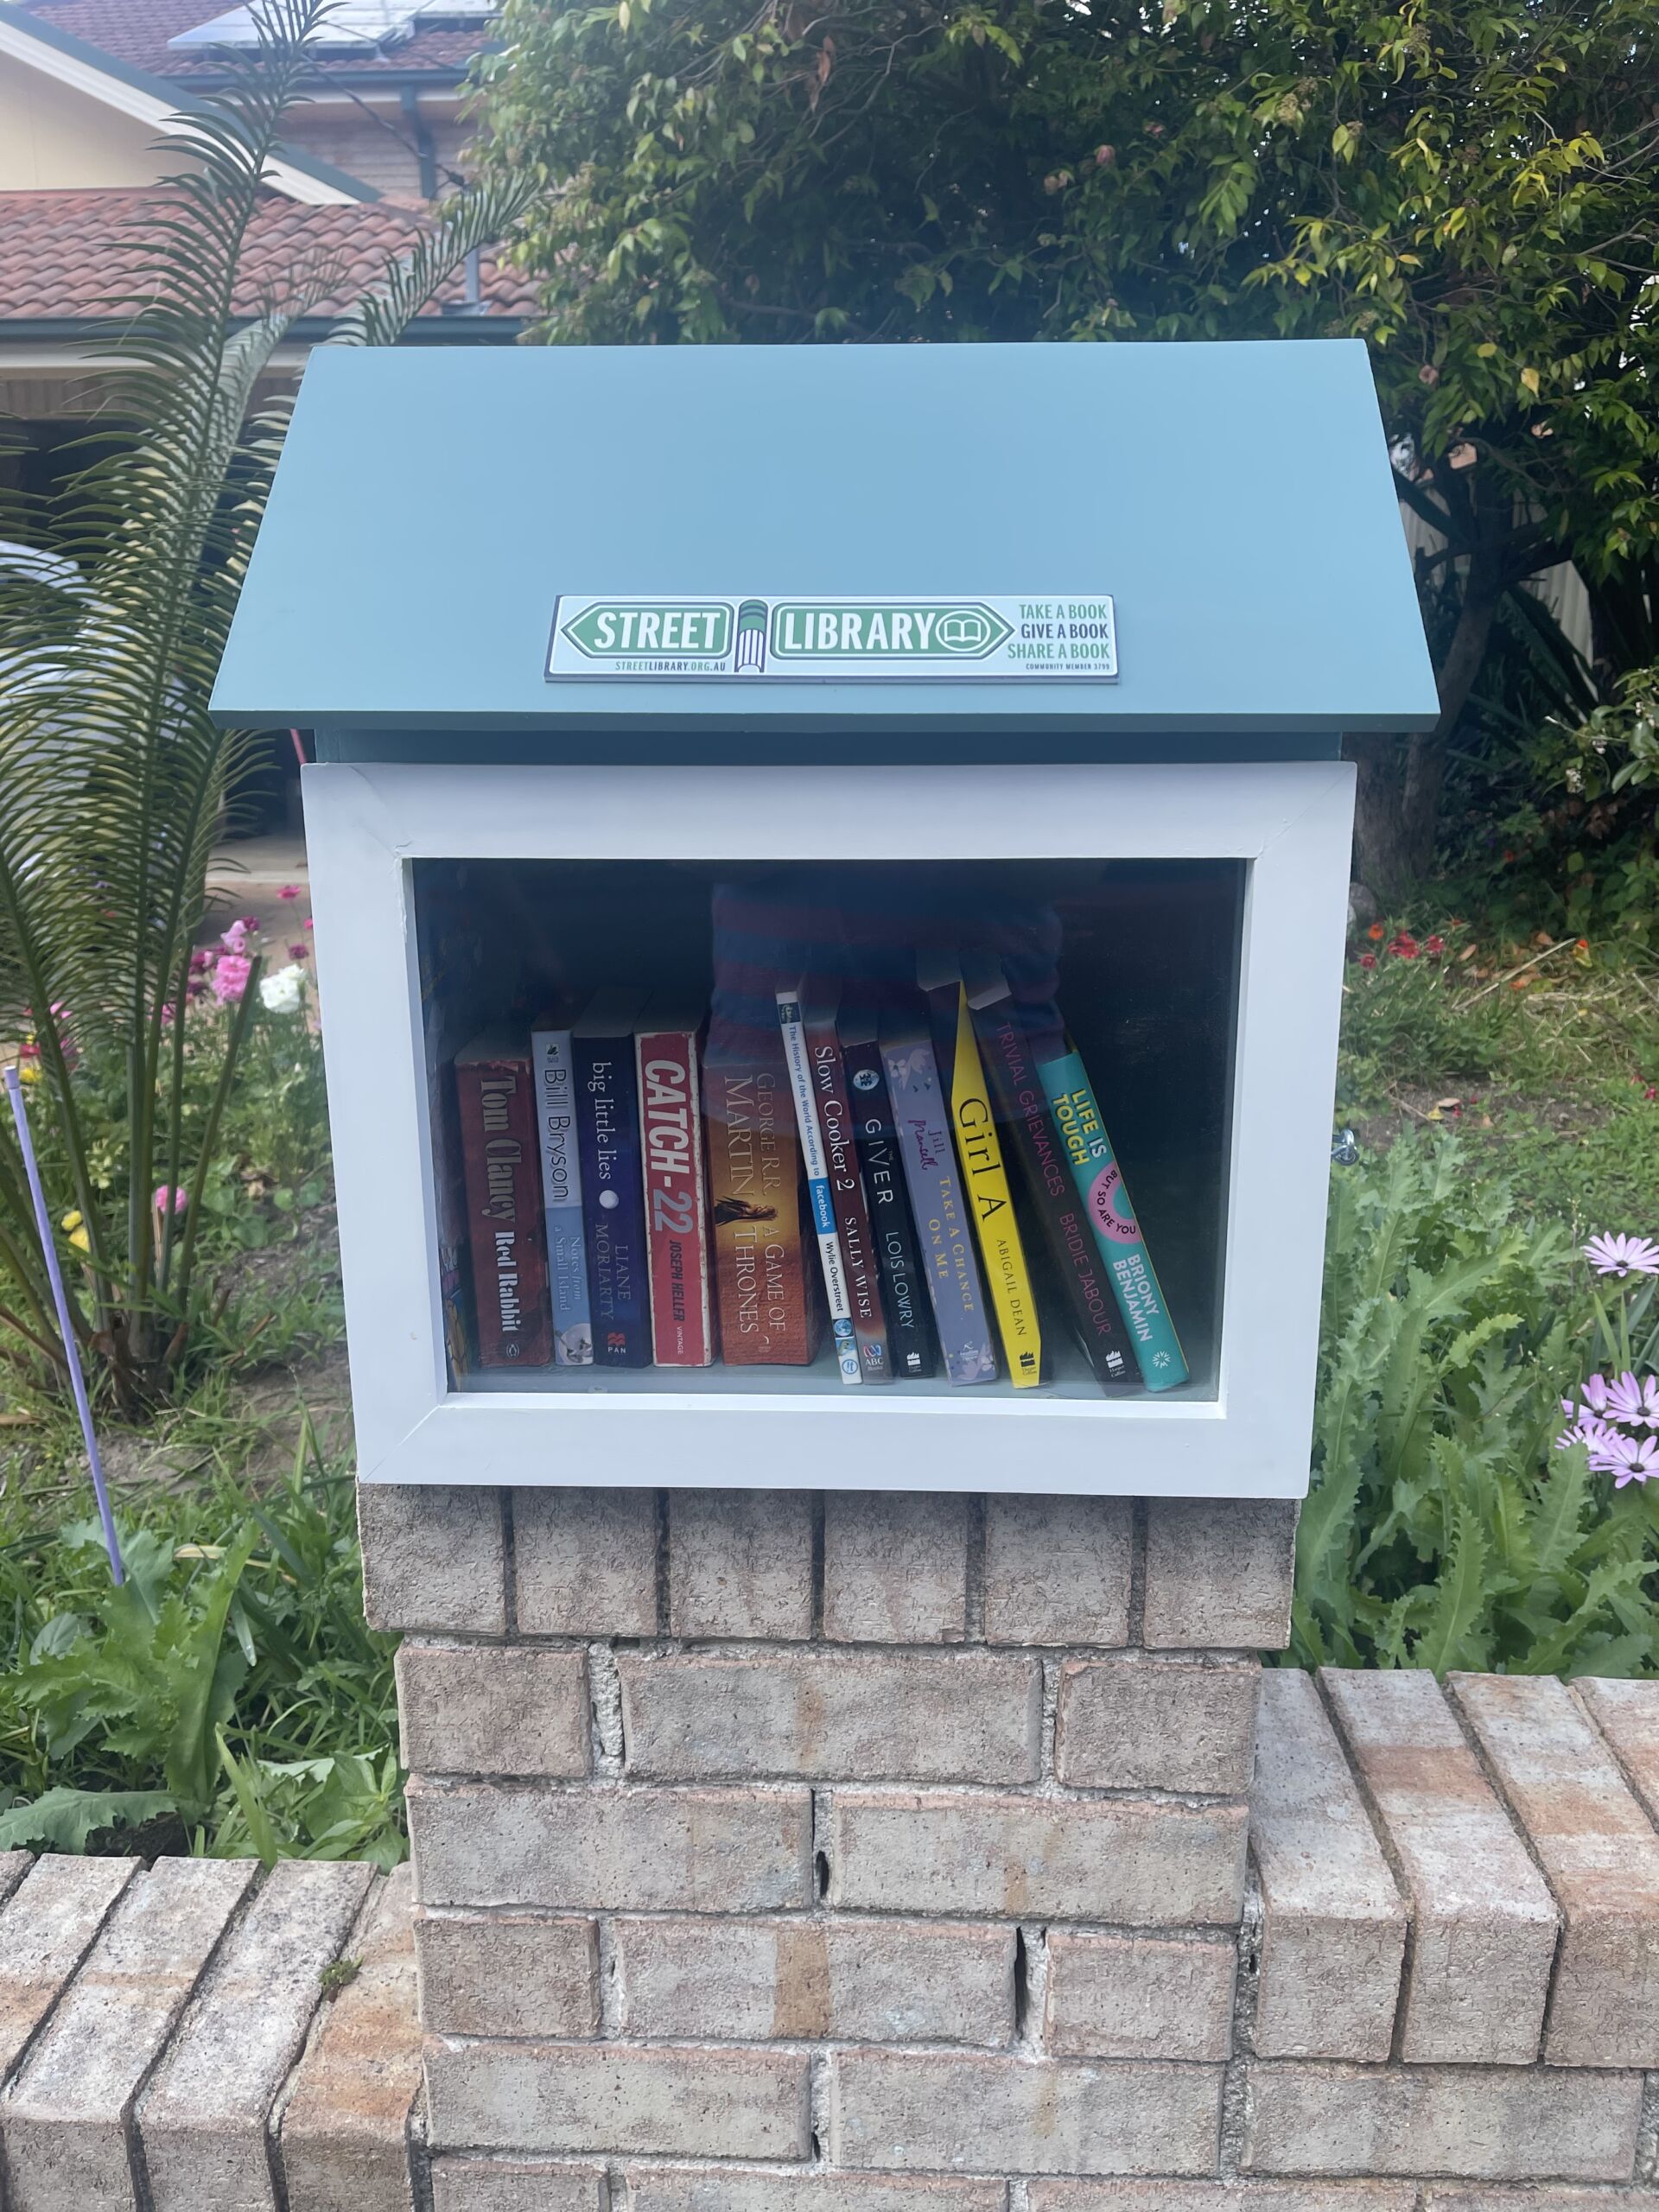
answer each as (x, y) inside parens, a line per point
(282, 992)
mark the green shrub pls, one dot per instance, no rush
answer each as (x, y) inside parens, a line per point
(229, 1699)
(1442, 1528)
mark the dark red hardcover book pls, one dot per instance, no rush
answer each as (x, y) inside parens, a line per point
(677, 1195)
(1022, 1110)
(495, 1101)
(839, 1126)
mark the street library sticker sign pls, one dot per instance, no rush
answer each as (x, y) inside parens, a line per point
(836, 640)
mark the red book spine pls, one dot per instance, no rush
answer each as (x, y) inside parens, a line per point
(676, 1199)
(847, 1195)
(497, 1112)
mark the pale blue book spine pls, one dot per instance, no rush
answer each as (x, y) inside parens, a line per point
(1111, 1219)
(567, 1249)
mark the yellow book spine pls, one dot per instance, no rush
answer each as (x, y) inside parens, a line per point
(980, 1151)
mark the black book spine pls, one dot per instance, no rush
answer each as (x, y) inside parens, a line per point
(1022, 1109)
(893, 1232)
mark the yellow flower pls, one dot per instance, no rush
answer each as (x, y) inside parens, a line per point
(76, 1228)
(28, 1070)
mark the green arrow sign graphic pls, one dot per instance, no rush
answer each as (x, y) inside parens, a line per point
(700, 629)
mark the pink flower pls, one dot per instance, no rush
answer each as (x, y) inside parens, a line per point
(1623, 1256)
(167, 1014)
(1626, 1459)
(200, 961)
(1628, 1400)
(249, 922)
(288, 891)
(1597, 1395)
(235, 939)
(1586, 1430)
(299, 952)
(231, 977)
(309, 923)
(181, 1198)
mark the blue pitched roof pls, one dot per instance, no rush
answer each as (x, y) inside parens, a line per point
(1234, 499)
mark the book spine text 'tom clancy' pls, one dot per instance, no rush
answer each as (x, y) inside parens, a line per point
(497, 1130)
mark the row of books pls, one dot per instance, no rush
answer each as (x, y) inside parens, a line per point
(639, 1192)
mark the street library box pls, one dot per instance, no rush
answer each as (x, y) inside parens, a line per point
(830, 870)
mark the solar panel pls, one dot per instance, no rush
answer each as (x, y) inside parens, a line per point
(351, 23)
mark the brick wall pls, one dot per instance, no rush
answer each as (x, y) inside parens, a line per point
(888, 1854)
(848, 1838)
(1441, 1993)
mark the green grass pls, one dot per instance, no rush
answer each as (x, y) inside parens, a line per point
(1547, 1084)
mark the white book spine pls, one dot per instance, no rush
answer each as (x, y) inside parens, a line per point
(566, 1252)
(817, 1185)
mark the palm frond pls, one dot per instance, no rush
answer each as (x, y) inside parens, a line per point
(114, 780)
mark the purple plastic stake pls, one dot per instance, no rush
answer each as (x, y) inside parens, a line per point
(60, 1297)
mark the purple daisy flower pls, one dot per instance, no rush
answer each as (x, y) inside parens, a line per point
(1623, 1256)
(1585, 1430)
(1626, 1459)
(1625, 1398)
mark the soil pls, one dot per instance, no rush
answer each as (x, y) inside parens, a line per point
(1484, 1109)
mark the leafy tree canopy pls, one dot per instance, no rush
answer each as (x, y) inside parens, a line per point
(1469, 185)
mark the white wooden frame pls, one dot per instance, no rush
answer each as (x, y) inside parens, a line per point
(1291, 822)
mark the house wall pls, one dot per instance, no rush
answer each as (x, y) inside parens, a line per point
(376, 145)
(55, 139)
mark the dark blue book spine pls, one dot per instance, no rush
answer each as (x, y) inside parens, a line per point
(613, 1199)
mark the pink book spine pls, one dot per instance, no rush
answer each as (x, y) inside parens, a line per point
(676, 1199)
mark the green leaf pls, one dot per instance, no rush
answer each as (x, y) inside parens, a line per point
(63, 1819)
(243, 1778)
(204, 1681)
(1446, 1640)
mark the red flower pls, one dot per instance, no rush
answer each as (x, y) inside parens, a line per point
(1368, 960)
(1376, 932)
(1434, 947)
(299, 951)
(1404, 946)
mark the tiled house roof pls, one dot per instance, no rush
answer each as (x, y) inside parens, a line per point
(69, 256)
(136, 32)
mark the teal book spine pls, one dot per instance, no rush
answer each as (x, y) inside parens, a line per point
(1111, 1218)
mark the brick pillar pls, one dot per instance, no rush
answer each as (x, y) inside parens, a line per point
(856, 1852)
